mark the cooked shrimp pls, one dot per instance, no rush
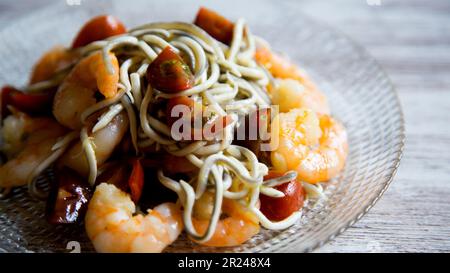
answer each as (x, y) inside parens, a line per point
(104, 142)
(278, 66)
(314, 145)
(53, 61)
(111, 226)
(77, 92)
(27, 142)
(290, 94)
(298, 91)
(239, 225)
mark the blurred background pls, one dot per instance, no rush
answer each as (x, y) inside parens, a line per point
(411, 40)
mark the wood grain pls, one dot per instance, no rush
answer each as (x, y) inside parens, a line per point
(411, 40)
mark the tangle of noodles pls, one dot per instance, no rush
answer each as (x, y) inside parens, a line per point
(227, 80)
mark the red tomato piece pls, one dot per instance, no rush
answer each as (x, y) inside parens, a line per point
(98, 28)
(33, 103)
(6, 90)
(175, 164)
(217, 126)
(136, 180)
(116, 174)
(68, 200)
(215, 25)
(277, 209)
(169, 73)
(173, 102)
(169, 163)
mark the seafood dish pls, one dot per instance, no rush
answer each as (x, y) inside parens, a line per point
(167, 128)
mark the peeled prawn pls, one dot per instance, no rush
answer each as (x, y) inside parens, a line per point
(279, 66)
(77, 92)
(295, 88)
(53, 61)
(111, 226)
(314, 145)
(27, 141)
(104, 142)
(237, 227)
(290, 94)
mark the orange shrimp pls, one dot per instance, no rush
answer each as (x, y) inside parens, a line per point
(239, 226)
(295, 88)
(278, 66)
(290, 94)
(53, 61)
(314, 145)
(77, 91)
(27, 142)
(104, 142)
(111, 226)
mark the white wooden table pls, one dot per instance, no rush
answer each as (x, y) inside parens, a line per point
(411, 40)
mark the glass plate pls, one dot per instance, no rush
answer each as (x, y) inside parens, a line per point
(360, 94)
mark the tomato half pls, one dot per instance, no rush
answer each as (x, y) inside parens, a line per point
(169, 163)
(68, 200)
(32, 103)
(136, 180)
(98, 28)
(169, 73)
(277, 209)
(215, 25)
(176, 101)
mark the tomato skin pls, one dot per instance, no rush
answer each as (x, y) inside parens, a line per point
(136, 180)
(257, 132)
(277, 209)
(180, 100)
(169, 163)
(68, 200)
(98, 28)
(33, 103)
(195, 115)
(217, 126)
(215, 25)
(116, 174)
(169, 73)
(127, 175)
(184, 100)
(209, 129)
(6, 90)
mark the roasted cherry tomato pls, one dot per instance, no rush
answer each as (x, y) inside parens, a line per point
(98, 28)
(4, 96)
(154, 193)
(193, 117)
(127, 175)
(256, 125)
(116, 173)
(217, 26)
(68, 201)
(209, 129)
(136, 180)
(180, 100)
(216, 126)
(169, 163)
(169, 73)
(33, 103)
(277, 209)
(254, 131)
